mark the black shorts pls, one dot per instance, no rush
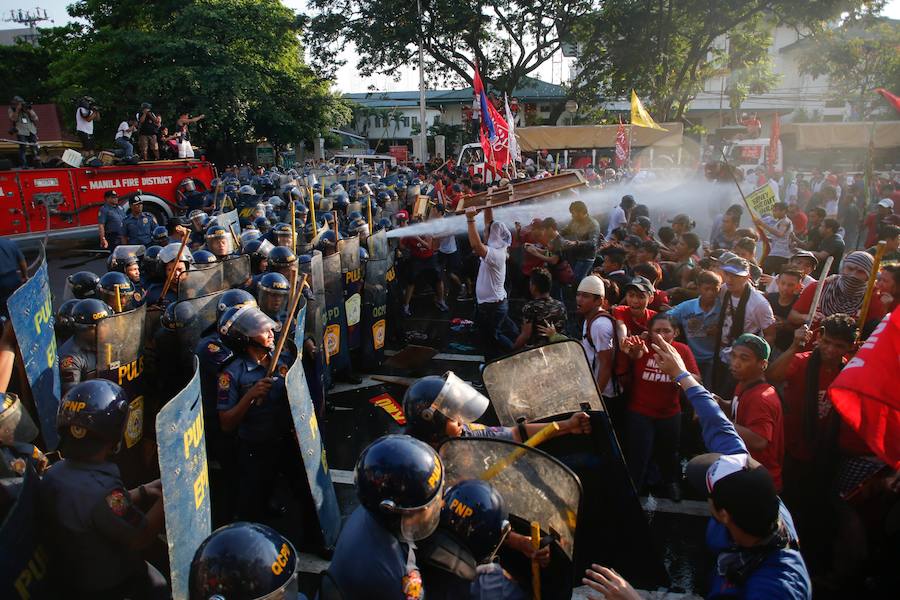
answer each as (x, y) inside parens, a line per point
(424, 266)
(87, 140)
(451, 263)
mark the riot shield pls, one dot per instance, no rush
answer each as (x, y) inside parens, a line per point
(315, 322)
(235, 271)
(312, 452)
(31, 314)
(353, 284)
(23, 558)
(549, 383)
(200, 282)
(230, 221)
(196, 317)
(535, 487)
(375, 298)
(185, 479)
(337, 356)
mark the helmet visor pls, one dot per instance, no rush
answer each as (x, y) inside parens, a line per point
(251, 322)
(459, 401)
(16, 425)
(418, 523)
(289, 591)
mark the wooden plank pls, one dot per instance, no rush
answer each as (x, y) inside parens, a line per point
(517, 192)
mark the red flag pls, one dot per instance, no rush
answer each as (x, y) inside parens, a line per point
(774, 139)
(622, 146)
(494, 134)
(894, 100)
(865, 392)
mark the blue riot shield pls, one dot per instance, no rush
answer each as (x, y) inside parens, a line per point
(185, 480)
(315, 324)
(351, 272)
(31, 315)
(337, 354)
(375, 299)
(23, 558)
(312, 451)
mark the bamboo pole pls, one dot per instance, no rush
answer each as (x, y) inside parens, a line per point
(171, 276)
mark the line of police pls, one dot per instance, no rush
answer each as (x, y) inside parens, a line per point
(226, 302)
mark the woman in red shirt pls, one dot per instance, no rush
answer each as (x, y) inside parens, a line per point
(653, 420)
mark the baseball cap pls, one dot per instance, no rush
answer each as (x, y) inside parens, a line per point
(681, 218)
(756, 344)
(632, 240)
(402, 215)
(110, 194)
(644, 222)
(740, 485)
(641, 284)
(807, 255)
(886, 203)
(736, 266)
(592, 284)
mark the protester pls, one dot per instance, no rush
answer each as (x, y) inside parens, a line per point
(542, 317)
(583, 235)
(782, 302)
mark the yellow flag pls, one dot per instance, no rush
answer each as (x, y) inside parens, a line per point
(640, 116)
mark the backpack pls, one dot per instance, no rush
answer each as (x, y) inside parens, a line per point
(621, 365)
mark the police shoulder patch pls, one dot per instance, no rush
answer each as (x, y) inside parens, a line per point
(282, 370)
(224, 381)
(118, 502)
(67, 362)
(212, 347)
(412, 585)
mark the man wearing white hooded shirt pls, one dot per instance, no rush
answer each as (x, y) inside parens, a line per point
(497, 329)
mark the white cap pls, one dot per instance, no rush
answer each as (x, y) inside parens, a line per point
(726, 465)
(887, 203)
(592, 284)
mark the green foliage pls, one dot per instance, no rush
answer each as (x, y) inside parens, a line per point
(748, 62)
(508, 39)
(23, 72)
(667, 49)
(857, 57)
(239, 62)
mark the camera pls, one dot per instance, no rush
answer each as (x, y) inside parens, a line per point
(26, 105)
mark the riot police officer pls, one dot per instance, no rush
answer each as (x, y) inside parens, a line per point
(95, 527)
(78, 355)
(255, 406)
(150, 268)
(117, 290)
(399, 482)
(272, 292)
(129, 263)
(244, 560)
(259, 253)
(203, 258)
(199, 221)
(219, 242)
(160, 236)
(171, 261)
(283, 235)
(282, 260)
(82, 284)
(138, 226)
(64, 325)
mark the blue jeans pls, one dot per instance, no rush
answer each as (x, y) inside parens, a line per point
(497, 329)
(23, 149)
(581, 267)
(126, 146)
(648, 438)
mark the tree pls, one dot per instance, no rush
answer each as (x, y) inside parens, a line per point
(239, 62)
(667, 49)
(857, 57)
(23, 72)
(507, 39)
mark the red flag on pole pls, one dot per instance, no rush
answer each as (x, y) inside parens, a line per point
(774, 143)
(494, 134)
(622, 146)
(894, 100)
(865, 392)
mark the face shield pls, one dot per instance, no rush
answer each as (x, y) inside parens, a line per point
(248, 236)
(251, 322)
(289, 591)
(419, 522)
(284, 238)
(459, 401)
(272, 301)
(219, 245)
(119, 297)
(16, 425)
(86, 336)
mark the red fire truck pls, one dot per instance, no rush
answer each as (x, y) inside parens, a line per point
(62, 202)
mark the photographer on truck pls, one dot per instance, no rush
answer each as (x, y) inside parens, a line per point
(23, 123)
(148, 126)
(85, 115)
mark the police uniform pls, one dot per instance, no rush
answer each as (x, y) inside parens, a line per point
(10, 276)
(92, 527)
(265, 443)
(76, 364)
(112, 218)
(370, 562)
(139, 229)
(155, 291)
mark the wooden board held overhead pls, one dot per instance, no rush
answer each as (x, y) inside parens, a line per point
(526, 190)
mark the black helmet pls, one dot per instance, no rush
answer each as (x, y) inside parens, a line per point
(85, 316)
(384, 224)
(160, 235)
(259, 251)
(177, 315)
(399, 480)
(232, 298)
(283, 230)
(83, 284)
(432, 401)
(262, 224)
(281, 257)
(244, 561)
(150, 264)
(116, 289)
(240, 324)
(64, 320)
(124, 256)
(198, 219)
(272, 293)
(97, 407)
(204, 257)
(476, 514)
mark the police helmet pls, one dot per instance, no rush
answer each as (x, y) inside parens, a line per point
(170, 253)
(300, 207)
(150, 263)
(283, 232)
(262, 224)
(327, 236)
(383, 224)
(244, 561)
(124, 256)
(400, 480)
(340, 200)
(272, 293)
(198, 218)
(248, 236)
(432, 401)
(160, 234)
(354, 215)
(239, 326)
(275, 202)
(232, 298)
(64, 318)
(82, 284)
(357, 226)
(281, 257)
(85, 316)
(178, 315)
(97, 408)
(204, 257)
(382, 197)
(475, 513)
(393, 194)
(259, 254)
(116, 289)
(216, 231)
(246, 190)
(16, 425)
(363, 254)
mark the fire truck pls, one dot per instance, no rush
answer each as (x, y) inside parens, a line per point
(64, 202)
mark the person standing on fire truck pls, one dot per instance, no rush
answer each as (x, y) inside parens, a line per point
(110, 219)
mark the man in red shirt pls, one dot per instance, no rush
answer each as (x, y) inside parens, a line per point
(634, 314)
(756, 408)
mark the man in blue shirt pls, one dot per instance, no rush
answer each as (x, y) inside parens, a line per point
(751, 531)
(699, 318)
(138, 226)
(111, 219)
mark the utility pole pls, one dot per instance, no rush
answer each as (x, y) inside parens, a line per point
(423, 133)
(30, 18)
